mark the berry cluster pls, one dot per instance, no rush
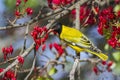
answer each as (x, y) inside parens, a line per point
(54, 4)
(109, 26)
(20, 59)
(9, 75)
(28, 10)
(39, 35)
(7, 51)
(107, 65)
(57, 47)
(86, 17)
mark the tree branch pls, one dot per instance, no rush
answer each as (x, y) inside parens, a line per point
(72, 72)
(16, 61)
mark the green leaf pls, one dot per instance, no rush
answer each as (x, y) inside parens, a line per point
(43, 78)
(116, 56)
(106, 47)
(117, 8)
(52, 71)
(116, 70)
(40, 78)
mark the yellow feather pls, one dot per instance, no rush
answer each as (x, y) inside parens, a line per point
(100, 55)
(72, 35)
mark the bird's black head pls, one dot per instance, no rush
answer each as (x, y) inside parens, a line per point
(57, 28)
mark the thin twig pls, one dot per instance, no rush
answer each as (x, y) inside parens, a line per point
(72, 72)
(25, 38)
(26, 78)
(11, 59)
(27, 70)
(77, 26)
(77, 21)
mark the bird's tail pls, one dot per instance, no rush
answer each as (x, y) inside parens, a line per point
(100, 55)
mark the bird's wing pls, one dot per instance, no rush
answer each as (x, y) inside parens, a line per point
(75, 37)
(79, 41)
(85, 42)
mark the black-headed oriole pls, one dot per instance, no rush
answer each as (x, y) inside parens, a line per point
(77, 40)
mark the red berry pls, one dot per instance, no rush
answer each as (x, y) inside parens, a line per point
(7, 74)
(111, 16)
(46, 36)
(37, 47)
(38, 42)
(34, 34)
(50, 46)
(12, 75)
(97, 9)
(104, 62)
(43, 40)
(40, 30)
(58, 48)
(43, 47)
(29, 11)
(114, 34)
(11, 49)
(114, 28)
(60, 51)
(1, 69)
(7, 51)
(44, 29)
(102, 19)
(20, 59)
(18, 2)
(17, 13)
(95, 69)
(67, 1)
(100, 30)
(56, 2)
(110, 64)
(112, 42)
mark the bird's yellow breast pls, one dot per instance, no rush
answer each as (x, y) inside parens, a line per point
(70, 34)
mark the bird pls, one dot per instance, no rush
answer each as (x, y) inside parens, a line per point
(77, 40)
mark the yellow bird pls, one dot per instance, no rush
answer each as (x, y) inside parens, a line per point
(77, 40)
